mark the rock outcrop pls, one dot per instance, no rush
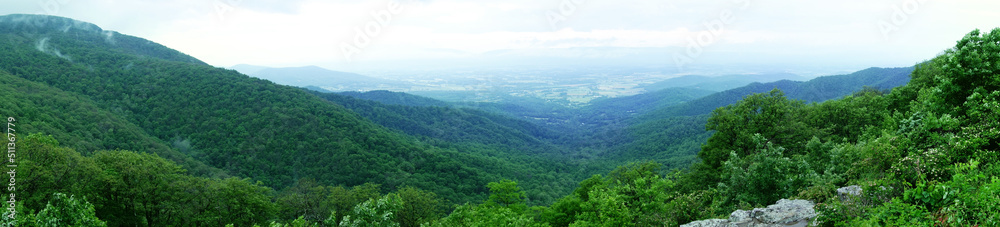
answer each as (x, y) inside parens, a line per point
(849, 194)
(783, 213)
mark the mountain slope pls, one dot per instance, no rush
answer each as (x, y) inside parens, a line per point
(247, 126)
(673, 135)
(395, 98)
(37, 29)
(815, 90)
(451, 124)
(80, 124)
(524, 148)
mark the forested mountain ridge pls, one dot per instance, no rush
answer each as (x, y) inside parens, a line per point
(720, 83)
(672, 135)
(245, 126)
(37, 29)
(81, 124)
(395, 98)
(453, 124)
(816, 90)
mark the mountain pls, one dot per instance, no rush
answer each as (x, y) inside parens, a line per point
(641, 103)
(720, 83)
(39, 29)
(81, 124)
(525, 149)
(245, 126)
(395, 98)
(319, 77)
(451, 124)
(248, 69)
(816, 90)
(673, 135)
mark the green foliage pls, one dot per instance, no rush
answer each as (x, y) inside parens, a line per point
(632, 195)
(395, 98)
(764, 176)
(128, 188)
(517, 149)
(672, 141)
(67, 211)
(419, 206)
(80, 123)
(769, 115)
(485, 216)
(341, 201)
(816, 90)
(897, 213)
(244, 126)
(505, 193)
(306, 199)
(971, 66)
(375, 213)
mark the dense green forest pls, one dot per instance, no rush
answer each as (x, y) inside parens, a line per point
(115, 130)
(234, 124)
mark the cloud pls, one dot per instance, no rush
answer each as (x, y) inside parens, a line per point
(299, 32)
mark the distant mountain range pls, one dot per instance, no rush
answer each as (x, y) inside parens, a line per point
(720, 83)
(815, 90)
(319, 77)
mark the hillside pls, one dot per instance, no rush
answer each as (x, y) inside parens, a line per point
(80, 124)
(816, 90)
(673, 135)
(245, 126)
(395, 98)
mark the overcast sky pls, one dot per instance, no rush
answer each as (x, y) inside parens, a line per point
(314, 32)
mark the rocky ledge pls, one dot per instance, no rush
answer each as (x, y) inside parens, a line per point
(784, 213)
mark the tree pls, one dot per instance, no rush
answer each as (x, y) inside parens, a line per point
(139, 189)
(765, 176)
(505, 193)
(485, 216)
(631, 195)
(65, 210)
(419, 206)
(342, 201)
(305, 199)
(375, 213)
(971, 65)
(767, 114)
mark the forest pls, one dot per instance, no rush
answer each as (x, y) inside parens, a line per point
(120, 131)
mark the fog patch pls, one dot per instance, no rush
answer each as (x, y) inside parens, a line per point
(43, 46)
(109, 37)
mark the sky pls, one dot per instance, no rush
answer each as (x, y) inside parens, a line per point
(339, 34)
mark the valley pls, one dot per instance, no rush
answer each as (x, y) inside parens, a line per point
(117, 130)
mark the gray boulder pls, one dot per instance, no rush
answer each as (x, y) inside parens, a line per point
(783, 213)
(849, 194)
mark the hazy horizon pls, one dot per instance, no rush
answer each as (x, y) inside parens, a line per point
(812, 38)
